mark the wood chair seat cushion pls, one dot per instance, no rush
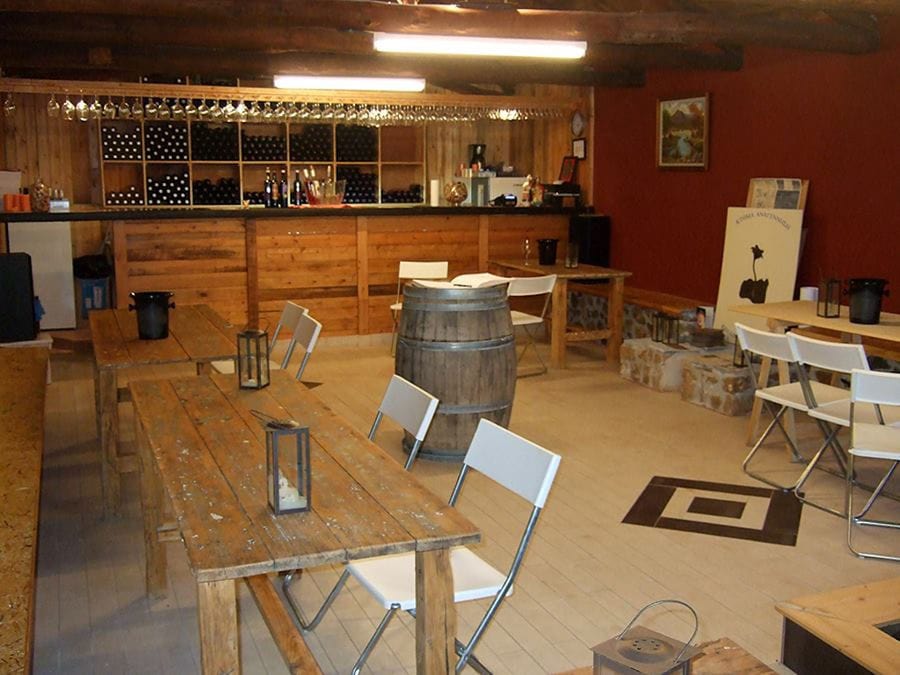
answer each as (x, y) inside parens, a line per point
(391, 579)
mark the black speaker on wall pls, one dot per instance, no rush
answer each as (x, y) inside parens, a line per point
(592, 234)
(16, 298)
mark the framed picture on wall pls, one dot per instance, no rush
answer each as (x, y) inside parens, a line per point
(579, 148)
(682, 133)
(567, 170)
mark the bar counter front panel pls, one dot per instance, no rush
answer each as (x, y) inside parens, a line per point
(341, 265)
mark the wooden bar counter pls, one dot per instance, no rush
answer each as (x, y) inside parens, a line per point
(341, 263)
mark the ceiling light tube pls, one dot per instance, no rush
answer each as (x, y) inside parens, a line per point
(349, 83)
(459, 45)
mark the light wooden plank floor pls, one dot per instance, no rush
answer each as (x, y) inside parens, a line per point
(584, 577)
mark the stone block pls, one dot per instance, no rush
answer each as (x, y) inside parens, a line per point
(712, 381)
(654, 364)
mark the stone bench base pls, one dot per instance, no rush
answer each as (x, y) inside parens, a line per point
(656, 364)
(712, 381)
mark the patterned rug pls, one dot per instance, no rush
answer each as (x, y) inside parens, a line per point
(719, 509)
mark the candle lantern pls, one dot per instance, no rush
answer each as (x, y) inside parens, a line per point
(829, 302)
(666, 329)
(253, 359)
(641, 650)
(287, 466)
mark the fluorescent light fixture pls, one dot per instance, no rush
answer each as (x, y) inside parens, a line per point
(349, 83)
(459, 45)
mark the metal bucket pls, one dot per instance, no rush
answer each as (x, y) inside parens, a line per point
(152, 313)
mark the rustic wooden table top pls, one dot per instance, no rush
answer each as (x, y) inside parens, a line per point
(848, 619)
(23, 383)
(583, 271)
(210, 451)
(803, 312)
(196, 333)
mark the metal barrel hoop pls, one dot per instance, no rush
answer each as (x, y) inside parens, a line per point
(661, 602)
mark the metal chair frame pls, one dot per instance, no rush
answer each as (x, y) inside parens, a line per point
(306, 335)
(489, 431)
(411, 269)
(290, 315)
(836, 357)
(861, 381)
(410, 406)
(530, 286)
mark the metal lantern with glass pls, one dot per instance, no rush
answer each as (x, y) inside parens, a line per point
(666, 329)
(253, 359)
(287, 466)
(829, 302)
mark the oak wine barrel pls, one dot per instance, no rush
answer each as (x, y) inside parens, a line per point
(458, 345)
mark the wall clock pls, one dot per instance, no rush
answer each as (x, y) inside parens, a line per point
(577, 123)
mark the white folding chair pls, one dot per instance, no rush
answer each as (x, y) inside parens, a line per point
(829, 405)
(513, 462)
(411, 407)
(287, 321)
(776, 399)
(525, 286)
(413, 270)
(306, 334)
(872, 439)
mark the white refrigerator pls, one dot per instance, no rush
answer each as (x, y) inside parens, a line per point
(50, 247)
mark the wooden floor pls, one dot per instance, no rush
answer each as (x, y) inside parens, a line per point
(584, 577)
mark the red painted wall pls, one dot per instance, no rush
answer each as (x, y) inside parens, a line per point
(831, 118)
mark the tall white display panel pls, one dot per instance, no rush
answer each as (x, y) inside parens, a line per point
(50, 248)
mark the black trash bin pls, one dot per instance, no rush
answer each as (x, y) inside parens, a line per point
(92, 272)
(547, 251)
(865, 299)
(152, 313)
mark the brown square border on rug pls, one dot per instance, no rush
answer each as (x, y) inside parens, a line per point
(782, 520)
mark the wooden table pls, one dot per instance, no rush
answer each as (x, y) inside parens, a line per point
(201, 448)
(846, 620)
(23, 377)
(560, 335)
(782, 315)
(196, 334)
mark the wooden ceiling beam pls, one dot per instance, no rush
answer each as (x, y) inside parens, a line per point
(136, 31)
(879, 7)
(162, 61)
(675, 27)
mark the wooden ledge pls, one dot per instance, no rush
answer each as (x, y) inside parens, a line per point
(847, 619)
(661, 302)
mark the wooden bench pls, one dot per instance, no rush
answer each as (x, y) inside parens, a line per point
(23, 377)
(290, 642)
(668, 304)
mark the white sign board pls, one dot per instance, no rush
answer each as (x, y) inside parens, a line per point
(759, 261)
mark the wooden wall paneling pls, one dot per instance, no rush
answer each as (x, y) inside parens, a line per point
(252, 262)
(201, 261)
(120, 260)
(312, 261)
(362, 274)
(451, 238)
(508, 233)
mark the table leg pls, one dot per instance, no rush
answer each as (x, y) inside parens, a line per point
(559, 321)
(151, 505)
(765, 365)
(615, 319)
(108, 421)
(217, 611)
(435, 613)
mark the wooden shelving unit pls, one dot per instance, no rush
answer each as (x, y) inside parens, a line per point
(394, 164)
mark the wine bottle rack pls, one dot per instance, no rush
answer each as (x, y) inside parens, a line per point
(158, 164)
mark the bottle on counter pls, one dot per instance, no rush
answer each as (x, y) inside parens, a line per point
(298, 187)
(267, 189)
(284, 202)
